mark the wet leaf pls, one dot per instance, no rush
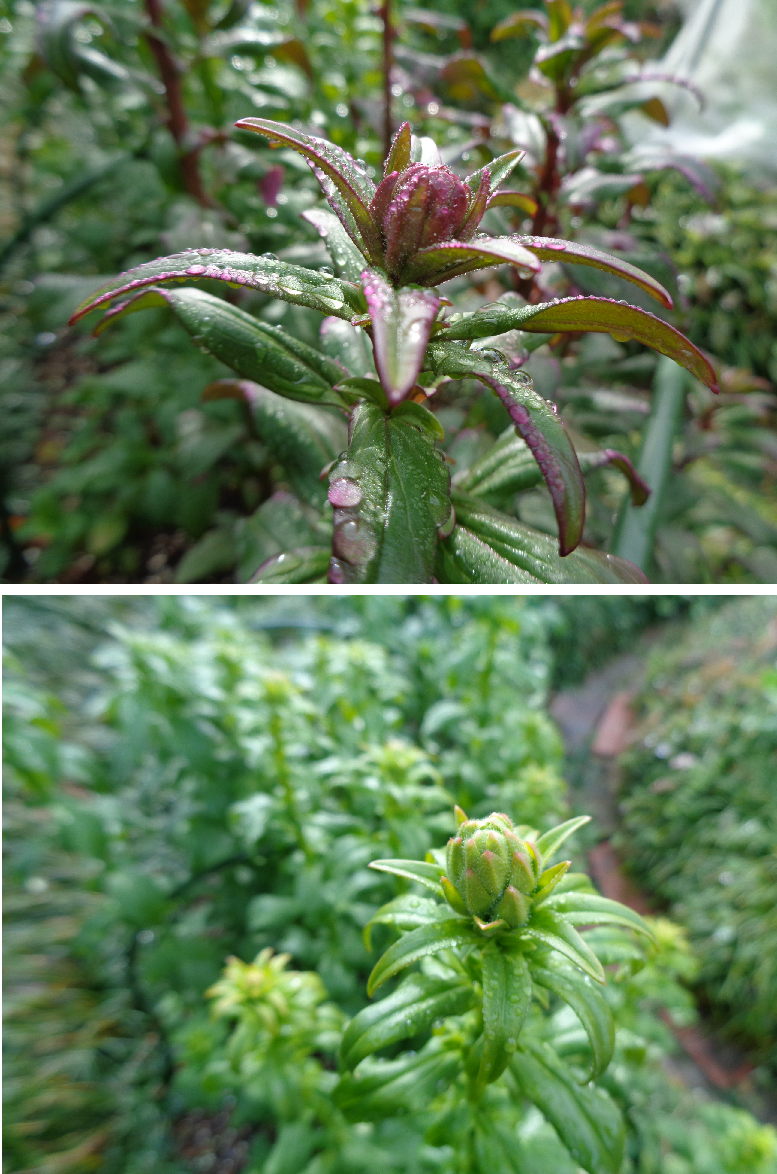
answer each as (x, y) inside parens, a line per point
(401, 324)
(420, 943)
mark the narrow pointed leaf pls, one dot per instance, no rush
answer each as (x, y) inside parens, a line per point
(547, 248)
(497, 170)
(598, 315)
(346, 258)
(553, 931)
(477, 209)
(486, 545)
(386, 526)
(289, 283)
(383, 1088)
(398, 158)
(587, 1121)
(510, 199)
(262, 353)
(335, 169)
(440, 262)
(406, 912)
(589, 1005)
(349, 347)
(422, 871)
(591, 909)
(401, 324)
(506, 997)
(550, 842)
(420, 943)
(411, 1009)
(538, 423)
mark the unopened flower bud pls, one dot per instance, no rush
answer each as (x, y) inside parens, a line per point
(418, 207)
(490, 871)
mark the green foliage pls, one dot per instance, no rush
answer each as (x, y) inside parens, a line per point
(698, 805)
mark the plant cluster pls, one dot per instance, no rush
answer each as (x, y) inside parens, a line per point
(166, 469)
(194, 817)
(698, 806)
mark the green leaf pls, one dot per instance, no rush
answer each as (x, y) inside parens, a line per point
(290, 283)
(406, 912)
(345, 183)
(557, 933)
(547, 248)
(538, 423)
(591, 909)
(254, 349)
(436, 263)
(402, 321)
(305, 564)
(411, 1009)
(348, 346)
(383, 1088)
(422, 871)
(589, 1005)
(390, 495)
(587, 1121)
(346, 258)
(419, 943)
(550, 842)
(497, 170)
(489, 547)
(506, 997)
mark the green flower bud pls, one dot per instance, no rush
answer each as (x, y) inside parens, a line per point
(491, 871)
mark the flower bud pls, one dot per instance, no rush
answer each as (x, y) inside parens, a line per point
(419, 207)
(490, 871)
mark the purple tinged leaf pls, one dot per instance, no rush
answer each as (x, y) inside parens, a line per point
(291, 283)
(510, 199)
(519, 23)
(448, 259)
(339, 175)
(549, 249)
(398, 158)
(401, 324)
(604, 316)
(640, 490)
(382, 198)
(477, 209)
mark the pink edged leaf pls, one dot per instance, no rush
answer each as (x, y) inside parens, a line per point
(639, 489)
(401, 323)
(477, 209)
(604, 316)
(549, 249)
(290, 283)
(538, 423)
(339, 175)
(439, 262)
(497, 170)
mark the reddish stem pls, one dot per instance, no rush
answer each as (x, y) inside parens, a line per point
(177, 122)
(388, 36)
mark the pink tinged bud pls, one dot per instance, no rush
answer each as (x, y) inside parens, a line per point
(492, 872)
(514, 908)
(522, 873)
(452, 896)
(398, 158)
(478, 899)
(429, 205)
(382, 199)
(454, 859)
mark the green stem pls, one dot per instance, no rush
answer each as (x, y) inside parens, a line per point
(636, 527)
(283, 775)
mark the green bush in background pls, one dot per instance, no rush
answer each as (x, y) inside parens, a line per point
(699, 805)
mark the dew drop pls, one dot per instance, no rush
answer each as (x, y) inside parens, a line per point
(270, 256)
(195, 270)
(325, 271)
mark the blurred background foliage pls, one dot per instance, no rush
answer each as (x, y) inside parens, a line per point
(193, 778)
(116, 470)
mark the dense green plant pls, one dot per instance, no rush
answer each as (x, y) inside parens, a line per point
(698, 805)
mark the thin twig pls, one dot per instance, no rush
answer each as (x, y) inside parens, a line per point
(388, 61)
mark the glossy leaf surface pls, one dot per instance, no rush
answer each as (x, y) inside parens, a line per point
(422, 871)
(506, 997)
(553, 931)
(390, 495)
(550, 842)
(440, 262)
(277, 279)
(572, 252)
(586, 1120)
(382, 1088)
(406, 912)
(411, 1009)
(305, 564)
(591, 909)
(487, 544)
(589, 1005)
(401, 324)
(346, 258)
(420, 943)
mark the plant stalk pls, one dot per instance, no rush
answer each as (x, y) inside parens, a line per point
(636, 527)
(388, 61)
